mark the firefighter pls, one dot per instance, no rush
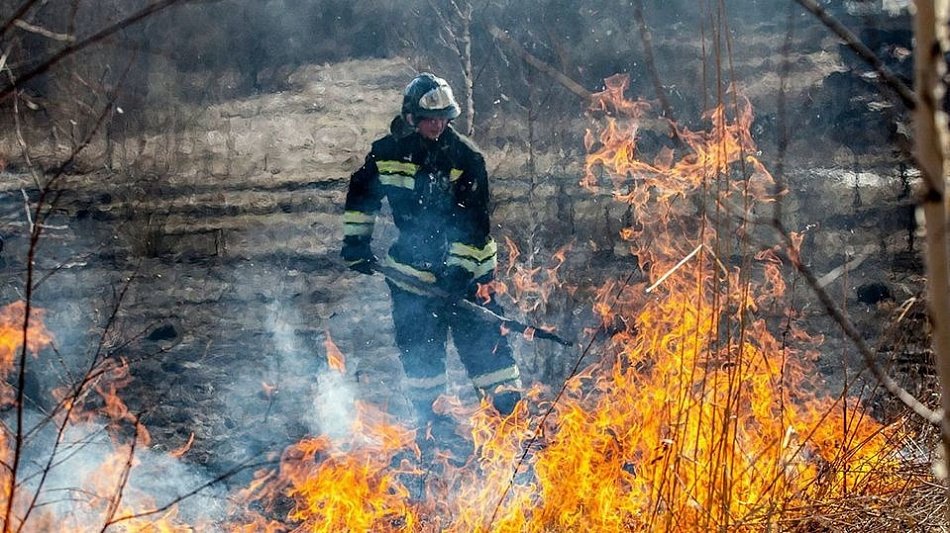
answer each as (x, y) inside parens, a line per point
(437, 187)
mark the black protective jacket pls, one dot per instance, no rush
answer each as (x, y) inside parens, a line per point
(438, 194)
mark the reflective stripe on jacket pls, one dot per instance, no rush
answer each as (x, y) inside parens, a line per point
(438, 193)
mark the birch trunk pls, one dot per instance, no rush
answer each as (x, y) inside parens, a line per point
(928, 139)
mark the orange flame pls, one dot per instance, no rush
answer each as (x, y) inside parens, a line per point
(13, 338)
(183, 449)
(335, 357)
(354, 485)
(530, 289)
(268, 389)
(100, 498)
(696, 419)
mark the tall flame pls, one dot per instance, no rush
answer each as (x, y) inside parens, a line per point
(695, 417)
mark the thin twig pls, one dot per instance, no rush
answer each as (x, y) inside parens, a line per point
(116, 499)
(16, 16)
(175, 501)
(651, 64)
(934, 417)
(36, 232)
(526, 56)
(674, 269)
(837, 272)
(26, 26)
(906, 95)
(88, 41)
(26, 207)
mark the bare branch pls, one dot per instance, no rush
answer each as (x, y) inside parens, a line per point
(674, 269)
(929, 135)
(93, 39)
(116, 498)
(26, 26)
(47, 194)
(193, 492)
(648, 56)
(526, 56)
(867, 353)
(16, 16)
(905, 93)
(26, 207)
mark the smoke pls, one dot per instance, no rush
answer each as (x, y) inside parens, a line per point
(75, 478)
(307, 395)
(333, 405)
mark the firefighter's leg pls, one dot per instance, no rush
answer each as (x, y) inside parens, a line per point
(487, 357)
(421, 332)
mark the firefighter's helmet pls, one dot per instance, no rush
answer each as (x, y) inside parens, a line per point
(429, 96)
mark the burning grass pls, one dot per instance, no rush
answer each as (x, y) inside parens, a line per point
(703, 412)
(694, 417)
(70, 469)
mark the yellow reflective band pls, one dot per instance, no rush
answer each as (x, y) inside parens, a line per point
(357, 223)
(356, 230)
(478, 254)
(492, 379)
(358, 217)
(409, 288)
(404, 182)
(478, 269)
(421, 275)
(397, 167)
(455, 174)
(397, 173)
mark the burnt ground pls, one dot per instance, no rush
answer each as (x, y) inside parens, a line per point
(224, 272)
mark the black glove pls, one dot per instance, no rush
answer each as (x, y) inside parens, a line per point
(359, 258)
(458, 282)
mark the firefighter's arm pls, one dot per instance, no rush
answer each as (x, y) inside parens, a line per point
(472, 254)
(363, 201)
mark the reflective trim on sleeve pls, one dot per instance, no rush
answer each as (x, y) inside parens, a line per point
(455, 174)
(478, 261)
(403, 182)
(477, 269)
(490, 380)
(397, 173)
(357, 223)
(397, 167)
(478, 254)
(421, 275)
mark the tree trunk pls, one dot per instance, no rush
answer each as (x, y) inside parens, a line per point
(930, 158)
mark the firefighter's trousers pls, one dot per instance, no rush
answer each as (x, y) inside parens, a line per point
(421, 326)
